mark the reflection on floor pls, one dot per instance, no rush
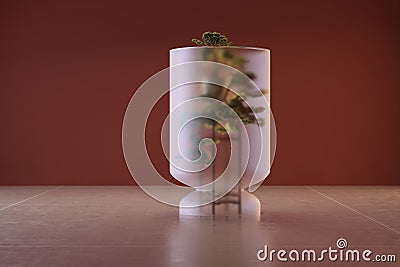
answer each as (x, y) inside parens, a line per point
(121, 226)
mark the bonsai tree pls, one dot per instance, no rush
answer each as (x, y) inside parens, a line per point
(212, 39)
(247, 89)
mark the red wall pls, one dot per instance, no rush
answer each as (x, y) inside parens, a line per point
(69, 68)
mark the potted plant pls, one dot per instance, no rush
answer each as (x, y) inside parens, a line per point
(246, 101)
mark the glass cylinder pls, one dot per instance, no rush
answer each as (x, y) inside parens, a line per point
(205, 143)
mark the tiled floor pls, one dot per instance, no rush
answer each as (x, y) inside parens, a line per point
(121, 226)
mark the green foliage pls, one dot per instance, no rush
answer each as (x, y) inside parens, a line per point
(247, 89)
(212, 39)
(236, 102)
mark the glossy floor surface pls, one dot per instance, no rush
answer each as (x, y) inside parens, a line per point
(121, 226)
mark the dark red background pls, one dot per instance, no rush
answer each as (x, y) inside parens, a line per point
(69, 68)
